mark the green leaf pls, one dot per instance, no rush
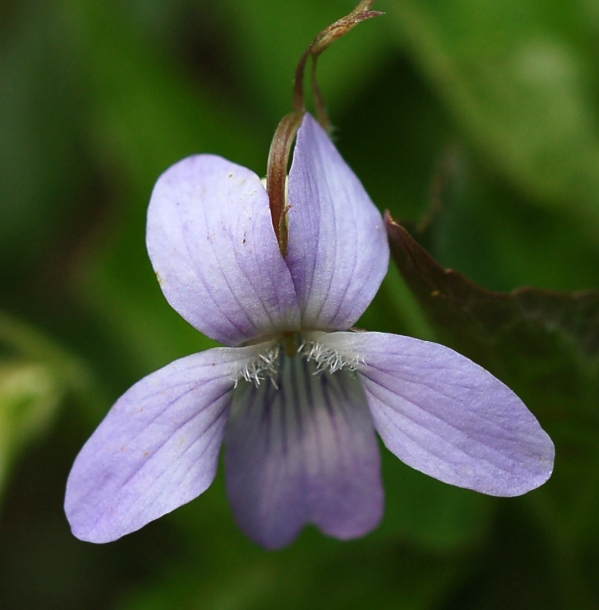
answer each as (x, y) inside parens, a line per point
(36, 376)
(521, 79)
(29, 396)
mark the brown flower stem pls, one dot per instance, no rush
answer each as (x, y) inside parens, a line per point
(280, 149)
(276, 174)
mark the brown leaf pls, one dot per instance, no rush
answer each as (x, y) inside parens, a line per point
(545, 344)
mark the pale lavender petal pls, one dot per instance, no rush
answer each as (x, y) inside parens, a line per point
(446, 416)
(304, 451)
(337, 252)
(213, 247)
(156, 449)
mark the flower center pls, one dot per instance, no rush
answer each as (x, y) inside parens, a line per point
(267, 365)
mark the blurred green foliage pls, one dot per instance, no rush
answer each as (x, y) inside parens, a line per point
(97, 97)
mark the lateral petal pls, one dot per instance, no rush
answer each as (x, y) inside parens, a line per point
(337, 251)
(211, 242)
(444, 415)
(156, 449)
(303, 451)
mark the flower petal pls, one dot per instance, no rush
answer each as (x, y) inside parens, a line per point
(337, 251)
(213, 247)
(442, 414)
(303, 451)
(156, 449)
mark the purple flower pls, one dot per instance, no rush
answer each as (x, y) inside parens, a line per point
(295, 395)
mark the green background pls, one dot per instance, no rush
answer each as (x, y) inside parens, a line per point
(474, 121)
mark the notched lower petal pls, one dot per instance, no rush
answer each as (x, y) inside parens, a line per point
(299, 450)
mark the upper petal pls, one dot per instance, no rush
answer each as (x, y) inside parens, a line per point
(446, 416)
(302, 451)
(213, 247)
(156, 449)
(337, 251)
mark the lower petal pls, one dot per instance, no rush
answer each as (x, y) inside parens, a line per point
(156, 449)
(444, 415)
(303, 450)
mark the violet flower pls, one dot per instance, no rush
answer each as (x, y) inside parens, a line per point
(296, 396)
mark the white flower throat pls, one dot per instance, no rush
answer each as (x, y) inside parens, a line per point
(268, 364)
